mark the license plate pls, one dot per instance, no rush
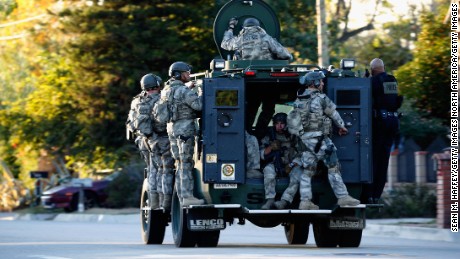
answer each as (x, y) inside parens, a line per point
(225, 186)
(346, 223)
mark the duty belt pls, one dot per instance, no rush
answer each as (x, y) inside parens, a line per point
(384, 114)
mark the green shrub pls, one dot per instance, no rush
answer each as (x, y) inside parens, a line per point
(125, 190)
(407, 201)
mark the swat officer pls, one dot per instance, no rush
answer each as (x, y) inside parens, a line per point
(141, 123)
(385, 127)
(254, 43)
(182, 128)
(252, 156)
(280, 152)
(315, 114)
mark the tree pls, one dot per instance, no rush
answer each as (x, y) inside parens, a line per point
(106, 50)
(426, 78)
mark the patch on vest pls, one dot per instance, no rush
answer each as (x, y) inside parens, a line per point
(390, 88)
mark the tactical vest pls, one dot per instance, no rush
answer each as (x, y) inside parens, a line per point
(179, 110)
(385, 92)
(142, 115)
(157, 126)
(312, 114)
(254, 46)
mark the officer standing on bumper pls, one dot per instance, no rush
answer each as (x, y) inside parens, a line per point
(182, 129)
(317, 112)
(142, 124)
(160, 149)
(385, 127)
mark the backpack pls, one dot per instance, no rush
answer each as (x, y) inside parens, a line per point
(165, 109)
(294, 122)
(139, 117)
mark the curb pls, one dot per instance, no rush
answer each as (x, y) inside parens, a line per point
(103, 218)
(420, 233)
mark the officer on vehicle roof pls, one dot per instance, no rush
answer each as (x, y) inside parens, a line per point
(251, 43)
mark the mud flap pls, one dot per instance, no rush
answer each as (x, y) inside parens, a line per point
(204, 219)
(346, 223)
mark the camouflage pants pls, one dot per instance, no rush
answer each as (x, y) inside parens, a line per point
(182, 151)
(328, 154)
(151, 166)
(270, 181)
(164, 162)
(294, 182)
(253, 156)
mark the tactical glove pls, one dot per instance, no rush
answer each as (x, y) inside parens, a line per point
(232, 23)
(287, 169)
(275, 145)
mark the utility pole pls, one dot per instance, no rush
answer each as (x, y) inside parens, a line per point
(321, 32)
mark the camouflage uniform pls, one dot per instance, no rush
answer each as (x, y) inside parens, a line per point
(143, 141)
(182, 131)
(253, 157)
(317, 113)
(289, 153)
(162, 158)
(254, 43)
(291, 190)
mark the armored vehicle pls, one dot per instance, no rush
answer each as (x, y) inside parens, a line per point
(220, 158)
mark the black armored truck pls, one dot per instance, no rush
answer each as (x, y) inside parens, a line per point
(220, 156)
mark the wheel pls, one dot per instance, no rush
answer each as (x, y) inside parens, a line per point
(208, 238)
(182, 236)
(297, 232)
(153, 222)
(350, 238)
(325, 237)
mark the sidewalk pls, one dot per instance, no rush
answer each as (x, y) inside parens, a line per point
(411, 228)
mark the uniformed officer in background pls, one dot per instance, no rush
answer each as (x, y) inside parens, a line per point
(385, 127)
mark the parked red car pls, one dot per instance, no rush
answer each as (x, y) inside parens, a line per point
(66, 196)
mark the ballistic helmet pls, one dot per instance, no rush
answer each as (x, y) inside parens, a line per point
(280, 117)
(312, 78)
(177, 68)
(150, 81)
(249, 22)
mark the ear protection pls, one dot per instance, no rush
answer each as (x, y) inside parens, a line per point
(316, 83)
(177, 74)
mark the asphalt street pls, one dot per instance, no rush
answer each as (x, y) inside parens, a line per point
(411, 228)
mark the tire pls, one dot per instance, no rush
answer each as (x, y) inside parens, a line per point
(153, 222)
(297, 232)
(350, 238)
(325, 237)
(182, 236)
(208, 238)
